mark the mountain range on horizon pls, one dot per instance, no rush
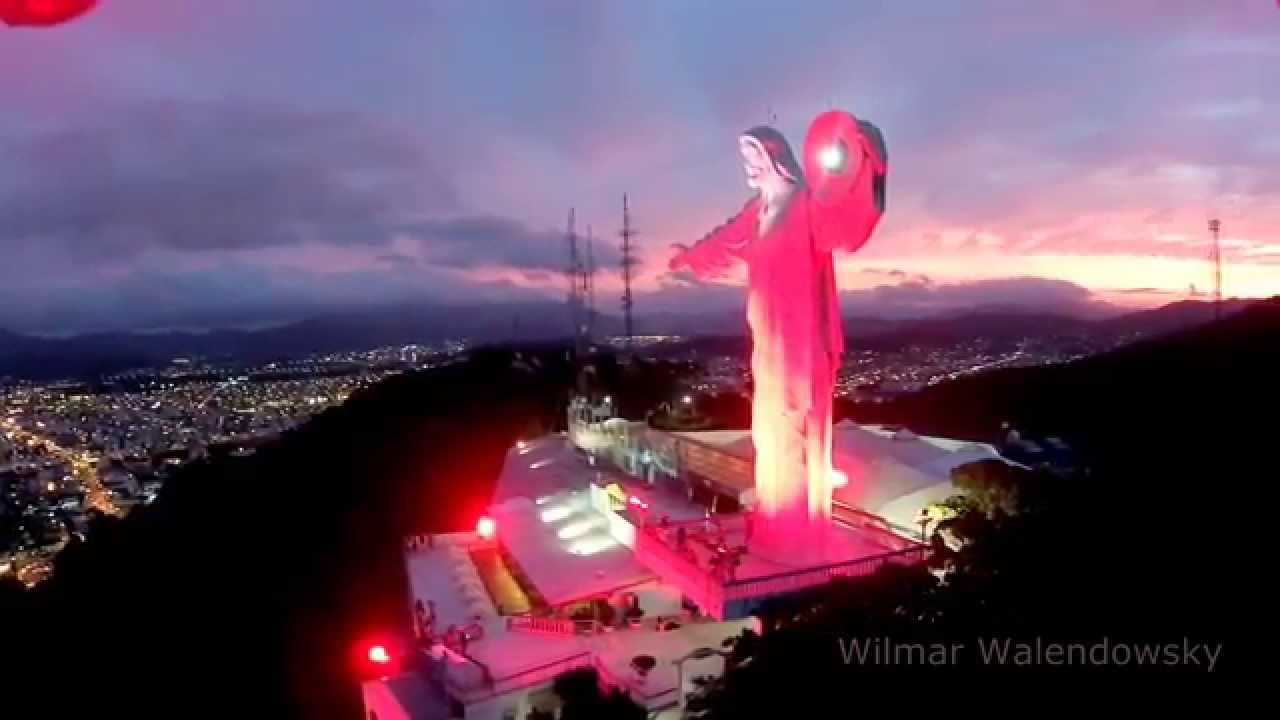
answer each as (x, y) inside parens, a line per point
(96, 354)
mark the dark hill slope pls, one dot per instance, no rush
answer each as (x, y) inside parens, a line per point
(248, 582)
(1142, 400)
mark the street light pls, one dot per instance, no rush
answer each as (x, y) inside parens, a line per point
(378, 655)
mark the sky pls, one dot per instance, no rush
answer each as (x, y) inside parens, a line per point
(191, 163)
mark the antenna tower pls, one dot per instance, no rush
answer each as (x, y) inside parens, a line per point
(573, 274)
(589, 286)
(1215, 256)
(628, 263)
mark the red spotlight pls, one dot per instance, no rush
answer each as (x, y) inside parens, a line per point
(378, 655)
(486, 528)
(42, 13)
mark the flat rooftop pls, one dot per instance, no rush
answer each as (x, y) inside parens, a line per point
(564, 547)
(541, 467)
(445, 575)
(614, 652)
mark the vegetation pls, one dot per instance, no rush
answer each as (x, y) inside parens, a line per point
(582, 699)
(1127, 552)
(244, 589)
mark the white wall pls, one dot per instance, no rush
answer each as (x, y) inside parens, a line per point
(379, 699)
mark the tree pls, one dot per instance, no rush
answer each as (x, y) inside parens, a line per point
(582, 699)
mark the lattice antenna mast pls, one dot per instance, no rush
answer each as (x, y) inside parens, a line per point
(628, 264)
(572, 273)
(589, 285)
(1215, 256)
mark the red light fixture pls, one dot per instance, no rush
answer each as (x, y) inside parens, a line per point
(378, 655)
(486, 528)
(42, 13)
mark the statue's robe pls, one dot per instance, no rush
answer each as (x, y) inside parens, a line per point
(797, 340)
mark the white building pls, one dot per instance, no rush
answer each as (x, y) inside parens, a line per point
(583, 528)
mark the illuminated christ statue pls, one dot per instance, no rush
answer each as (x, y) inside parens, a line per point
(786, 234)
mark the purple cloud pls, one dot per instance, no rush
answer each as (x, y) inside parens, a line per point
(281, 156)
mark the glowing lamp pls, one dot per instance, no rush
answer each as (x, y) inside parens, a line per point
(556, 514)
(838, 478)
(378, 655)
(520, 444)
(486, 528)
(832, 157)
(834, 150)
(687, 399)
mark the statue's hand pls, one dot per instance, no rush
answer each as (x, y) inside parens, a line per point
(680, 259)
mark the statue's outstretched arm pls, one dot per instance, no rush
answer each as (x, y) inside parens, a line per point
(845, 214)
(718, 248)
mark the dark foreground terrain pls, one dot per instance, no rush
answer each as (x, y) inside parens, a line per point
(243, 590)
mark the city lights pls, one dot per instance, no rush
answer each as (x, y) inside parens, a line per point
(112, 449)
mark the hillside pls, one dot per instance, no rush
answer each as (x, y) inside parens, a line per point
(249, 581)
(1153, 547)
(1189, 386)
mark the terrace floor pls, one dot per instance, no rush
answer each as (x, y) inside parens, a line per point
(705, 541)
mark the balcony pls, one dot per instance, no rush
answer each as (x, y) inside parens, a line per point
(698, 565)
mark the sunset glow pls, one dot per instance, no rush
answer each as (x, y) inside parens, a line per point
(440, 173)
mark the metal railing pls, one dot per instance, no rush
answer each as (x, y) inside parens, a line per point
(710, 592)
(809, 577)
(893, 534)
(701, 586)
(555, 626)
(518, 680)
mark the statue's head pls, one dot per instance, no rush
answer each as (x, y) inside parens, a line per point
(767, 160)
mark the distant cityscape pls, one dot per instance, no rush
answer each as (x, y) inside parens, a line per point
(879, 375)
(73, 448)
